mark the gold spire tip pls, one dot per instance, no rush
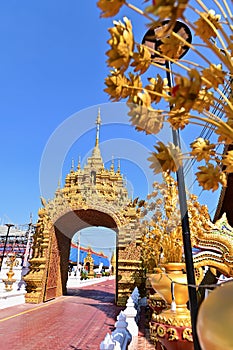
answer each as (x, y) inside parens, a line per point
(98, 122)
(98, 119)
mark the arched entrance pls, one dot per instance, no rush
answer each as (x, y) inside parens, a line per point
(49, 266)
(93, 196)
(64, 229)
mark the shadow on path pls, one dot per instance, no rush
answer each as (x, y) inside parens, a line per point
(99, 299)
(92, 294)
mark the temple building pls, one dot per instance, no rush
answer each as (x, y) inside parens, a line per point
(98, 257)
(16, 240)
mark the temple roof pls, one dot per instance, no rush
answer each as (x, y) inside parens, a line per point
(97, 257)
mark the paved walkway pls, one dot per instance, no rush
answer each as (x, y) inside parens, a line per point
(78, 321)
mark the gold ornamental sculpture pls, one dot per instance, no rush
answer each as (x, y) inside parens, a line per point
(163, 260)
(11, 261)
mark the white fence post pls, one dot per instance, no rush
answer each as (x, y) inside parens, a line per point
(125, 335)
(121, 335)
(136, 296)
(107, 343)
(130, 313)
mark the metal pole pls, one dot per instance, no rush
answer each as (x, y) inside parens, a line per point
(193, 305)
(28, 246)
(7, 234)
(78, 270)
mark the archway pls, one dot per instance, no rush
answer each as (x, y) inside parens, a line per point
(64, 229)
(49, 265)
(92, 196)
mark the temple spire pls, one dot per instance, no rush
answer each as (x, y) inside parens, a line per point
(96, 159)
(98, 122)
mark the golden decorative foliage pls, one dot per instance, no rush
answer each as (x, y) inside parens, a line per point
(203, 101)
(155, 88)
(117, 86)
(213, 76)
(136, 88)
(110, 8)
(141, 59)
(201, 93)
(178, 118)
(202, 149)
(210, 176)
(186, 90)
(122, 45)
(141, 99)
(225, 131)
(167, 8)
(146, 119)
(171, 47)
(206, 25)
(168, 158)
(162, 231)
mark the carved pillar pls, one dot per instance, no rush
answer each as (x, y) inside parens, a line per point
(36, 277)
(129, 272)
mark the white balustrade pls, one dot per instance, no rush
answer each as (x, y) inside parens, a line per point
(136, 299)
(108, 343)
(125, 335)
(131, 313)
(121, 335)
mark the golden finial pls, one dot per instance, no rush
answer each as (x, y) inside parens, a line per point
(112, 165)
(31, 218)
(58, 186)
(43, 201)
(79, 163)
(119, 166)
(98, 122)
(72, 165)
(59, 183)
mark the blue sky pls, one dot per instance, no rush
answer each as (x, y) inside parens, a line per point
(52, 69)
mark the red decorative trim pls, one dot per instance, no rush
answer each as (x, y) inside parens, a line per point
(73, 245)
